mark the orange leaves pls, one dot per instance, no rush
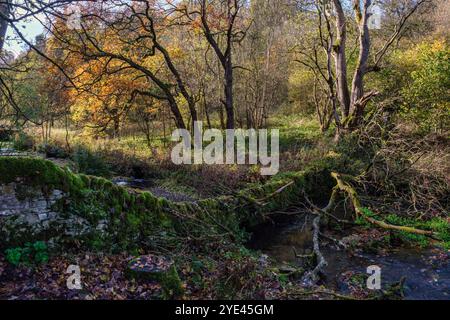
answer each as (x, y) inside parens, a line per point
(197, 25)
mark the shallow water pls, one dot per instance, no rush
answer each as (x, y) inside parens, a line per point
(151, 186)
(424, 281)
(427, 277)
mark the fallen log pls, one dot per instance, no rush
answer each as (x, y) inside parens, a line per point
(359, 210)
(312, 277)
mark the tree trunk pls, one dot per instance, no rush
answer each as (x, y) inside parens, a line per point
(176, 113)
(341, 60)
(4, 13)
(116, 127)
(357, 110)
(190, 100)
(206, 110)
(225, 55)
(261, 121)
(229, 106)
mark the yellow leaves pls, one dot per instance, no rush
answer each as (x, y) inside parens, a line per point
(299, 77)
(412, 56)
(426, 48)
(152, 110)
(197, 27)
(176, 52)
(439, 45)
(152, 63)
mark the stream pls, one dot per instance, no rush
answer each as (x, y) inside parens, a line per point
(427, 271)
(152, 186)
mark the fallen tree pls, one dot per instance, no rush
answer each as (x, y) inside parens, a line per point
(94, 213)
(345, 187)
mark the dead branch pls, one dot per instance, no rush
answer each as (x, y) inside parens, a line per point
(323, 292)
(348, 189)
(261, 201)
(312, 277)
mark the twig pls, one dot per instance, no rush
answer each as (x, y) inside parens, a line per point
(275, 193)
(345, 187)
(330, 293)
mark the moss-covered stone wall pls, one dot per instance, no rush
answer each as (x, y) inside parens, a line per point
(95, 212)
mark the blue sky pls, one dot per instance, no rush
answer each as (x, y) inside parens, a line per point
(30, 29)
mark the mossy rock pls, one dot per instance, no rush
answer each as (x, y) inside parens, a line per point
(159, 269)
(128, 218)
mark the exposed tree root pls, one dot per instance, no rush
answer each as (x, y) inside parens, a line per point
(327, 210)
(302, 256)
(385, 225)
(338, 242)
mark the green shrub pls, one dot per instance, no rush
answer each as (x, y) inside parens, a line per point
(30, 254)
(90, 163)
(427, 95)
(22, 142)
(14, 256)
(52, 151)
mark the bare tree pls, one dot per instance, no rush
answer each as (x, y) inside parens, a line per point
(219, 19)
(352, 97)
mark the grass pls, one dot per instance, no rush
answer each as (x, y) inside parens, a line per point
(301, 142)
(296, 132)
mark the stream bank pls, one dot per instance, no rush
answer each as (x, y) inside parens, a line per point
(125, 220)
(427, 271)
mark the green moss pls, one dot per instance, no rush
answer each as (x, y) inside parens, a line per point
(133, 221)
(172, 284)
(169, 280)
(86, 180)
(32, 171)
(133, 218)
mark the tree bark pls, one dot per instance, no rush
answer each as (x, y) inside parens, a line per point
(229, 105)
(190, 100)
(362, 16)
(4, 14)
(176, 113)
(224, 56)
(341, 60)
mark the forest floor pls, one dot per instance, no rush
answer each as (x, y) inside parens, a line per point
(266, 274)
